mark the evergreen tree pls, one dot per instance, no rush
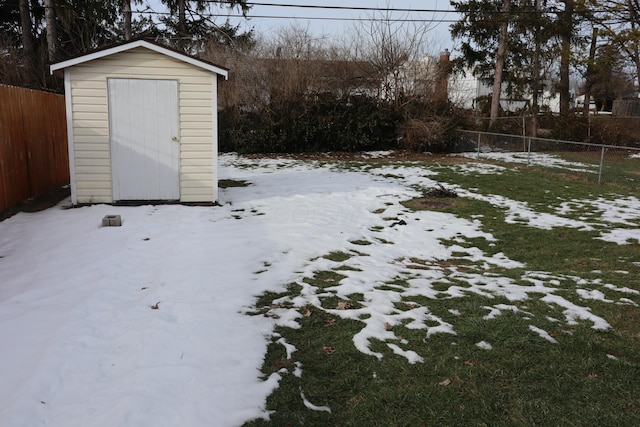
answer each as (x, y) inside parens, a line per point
(498, 39)
(190, 22)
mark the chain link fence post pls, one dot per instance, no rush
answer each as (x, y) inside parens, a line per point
(601, 165)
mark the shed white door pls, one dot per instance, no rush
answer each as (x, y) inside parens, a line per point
(143, 126)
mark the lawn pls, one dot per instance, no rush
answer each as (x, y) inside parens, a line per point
(332, 291)
(515, 303)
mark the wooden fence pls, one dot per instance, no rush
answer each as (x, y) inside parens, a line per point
(33, 144)
(626, 107)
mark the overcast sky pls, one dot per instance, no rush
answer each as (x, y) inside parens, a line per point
(323, 20)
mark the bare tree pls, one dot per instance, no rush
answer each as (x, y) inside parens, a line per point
(295, 63)
(395, 49)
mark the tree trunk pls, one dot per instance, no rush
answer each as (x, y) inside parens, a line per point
(127, 19)
(26, 26)
(535, 86)
(182, 18)
(52, 29)
(589, 76)
(500, 59)
(565, 56)
(27, 42)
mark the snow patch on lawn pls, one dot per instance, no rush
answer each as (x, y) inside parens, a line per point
(533, 159)
(481, 168)
(544, 334)
(313, 407)
(483, 345)
(574, 312)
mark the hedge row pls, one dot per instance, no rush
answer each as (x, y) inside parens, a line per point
(358, 123)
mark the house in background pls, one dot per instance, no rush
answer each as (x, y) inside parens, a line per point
(142, 125)
(467, 91)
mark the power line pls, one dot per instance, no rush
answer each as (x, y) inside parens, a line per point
(316, 18)
(386, 9)
(354, 8)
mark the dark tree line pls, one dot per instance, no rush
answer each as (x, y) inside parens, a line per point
(36, 33)
(521, 46)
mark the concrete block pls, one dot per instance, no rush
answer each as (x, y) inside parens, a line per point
(111, 221)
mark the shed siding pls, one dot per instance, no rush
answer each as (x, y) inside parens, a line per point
(91, 121)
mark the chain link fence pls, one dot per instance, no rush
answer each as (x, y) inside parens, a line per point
(597, 128)
(599, 163)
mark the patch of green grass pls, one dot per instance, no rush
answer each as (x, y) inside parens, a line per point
(338, 256)
(347, 267)
(266, 301)
(361, 242)
(229, 183)
(323, 279)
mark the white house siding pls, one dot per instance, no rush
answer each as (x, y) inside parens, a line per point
(465, 89)
(198, 124)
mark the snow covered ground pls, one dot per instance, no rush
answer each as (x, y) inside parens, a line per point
(146, 324)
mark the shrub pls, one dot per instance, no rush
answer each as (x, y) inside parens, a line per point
(426, 128)
(570, 128)
(623, 131)
(312, 124)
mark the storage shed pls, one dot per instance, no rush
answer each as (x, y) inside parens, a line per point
(142, 125)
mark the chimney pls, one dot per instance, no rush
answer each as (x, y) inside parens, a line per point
(445, 55)
(441, 90)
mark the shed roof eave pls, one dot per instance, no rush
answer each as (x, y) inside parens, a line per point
(135, 44)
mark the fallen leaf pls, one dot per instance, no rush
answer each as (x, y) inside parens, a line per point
(388, 326)
(307, 313)
(445, 382)
(328, 350)
(156, 306)
(469, 362)
(329, 321)
(592, 376)
(344, 305)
